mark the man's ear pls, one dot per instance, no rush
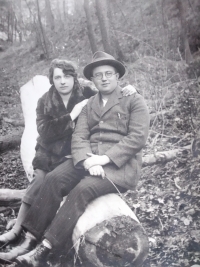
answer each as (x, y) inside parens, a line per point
(117, 75)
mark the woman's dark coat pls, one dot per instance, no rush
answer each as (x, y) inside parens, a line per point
(55, 128)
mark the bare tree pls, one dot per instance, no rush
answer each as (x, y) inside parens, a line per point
(19, 21)
(186, 47)
(102, 13)
(50, 17)
(91, 34)
(43, 36)
(64, 10)
(114, 35)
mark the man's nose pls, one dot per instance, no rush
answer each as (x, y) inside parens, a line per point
(104, 77)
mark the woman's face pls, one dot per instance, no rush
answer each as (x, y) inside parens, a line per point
(63, 82)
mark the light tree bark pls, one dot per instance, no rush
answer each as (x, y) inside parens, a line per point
(50, 17)
(102, 13)
(162, 156)
(114, 35)
(43, 35)
(90, 30)
(184, 32)
(120, 242)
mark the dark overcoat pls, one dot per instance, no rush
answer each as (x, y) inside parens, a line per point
(55, 127)
(118, 130)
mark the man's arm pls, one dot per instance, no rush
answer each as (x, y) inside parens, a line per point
(126, 91)
(81, 140)
(137, 135)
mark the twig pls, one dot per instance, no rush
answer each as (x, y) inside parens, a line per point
(160, 223)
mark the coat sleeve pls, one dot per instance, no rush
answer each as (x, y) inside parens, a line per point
(52, 129)
(137, 135)
(81, 139)
(88, 91)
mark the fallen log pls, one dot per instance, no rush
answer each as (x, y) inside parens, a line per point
(118, 242)
(14, 122)
(160, 114)
(9, 195)
(10, 141)
(163, 156)
(11, 198)
(113, 237)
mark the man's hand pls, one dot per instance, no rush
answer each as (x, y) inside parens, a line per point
(128, 90)
(97, 171)
(95, 160)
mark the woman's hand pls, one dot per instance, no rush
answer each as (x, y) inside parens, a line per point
(128, 90)
(77, 109)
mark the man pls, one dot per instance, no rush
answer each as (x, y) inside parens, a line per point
(107, 150)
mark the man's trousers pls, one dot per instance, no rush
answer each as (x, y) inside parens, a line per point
(81, 190)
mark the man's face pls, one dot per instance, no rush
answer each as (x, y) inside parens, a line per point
(105, 79)
(62, 82)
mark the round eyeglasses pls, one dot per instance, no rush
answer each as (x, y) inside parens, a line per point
(99, 75)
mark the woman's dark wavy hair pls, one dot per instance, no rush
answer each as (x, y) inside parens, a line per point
(68, 67)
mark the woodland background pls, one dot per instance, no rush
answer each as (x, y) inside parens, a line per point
(159, 42)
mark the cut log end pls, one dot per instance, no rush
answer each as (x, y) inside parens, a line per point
(120, 242)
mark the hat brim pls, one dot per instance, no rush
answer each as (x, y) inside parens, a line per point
(87, 71)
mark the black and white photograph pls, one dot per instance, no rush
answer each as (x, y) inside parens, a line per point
(99, 133)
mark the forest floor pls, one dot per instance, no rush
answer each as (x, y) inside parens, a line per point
(167, 202)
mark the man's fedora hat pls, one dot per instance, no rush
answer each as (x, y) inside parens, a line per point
(101, 58)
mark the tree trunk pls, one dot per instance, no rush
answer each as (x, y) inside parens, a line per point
(10, 198)
(43, 36)
(91, 35)
(109, 233)
(11, 195)
(120, 242)
(102, 13)
(163, 156)
(8, 27)
(64, 12)
(14, 122)
(184, 32)
(50, 17)
(19, 30)
(114, 35)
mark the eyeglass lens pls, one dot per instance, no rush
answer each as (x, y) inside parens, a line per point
(108, 74)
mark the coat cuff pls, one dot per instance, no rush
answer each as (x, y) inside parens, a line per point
(79, 157)
(116, 160)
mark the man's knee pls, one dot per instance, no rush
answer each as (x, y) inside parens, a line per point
(86, 189)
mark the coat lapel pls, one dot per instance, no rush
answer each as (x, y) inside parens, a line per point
(96, 104)
(113, 100)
